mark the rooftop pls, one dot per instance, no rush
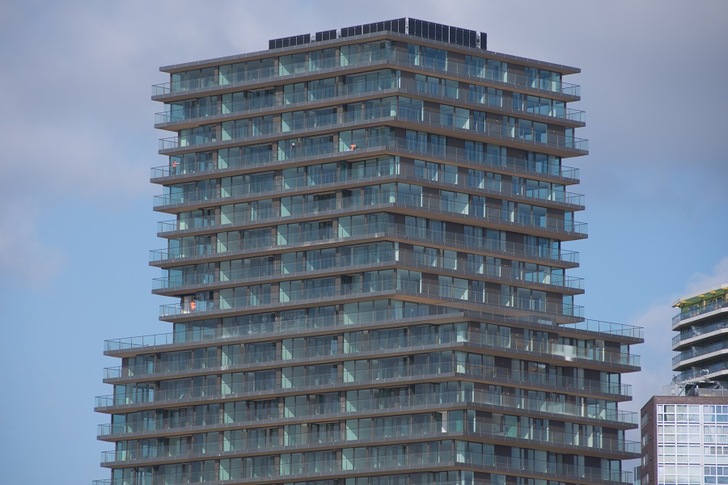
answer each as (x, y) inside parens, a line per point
(429, 31)
(407, 26)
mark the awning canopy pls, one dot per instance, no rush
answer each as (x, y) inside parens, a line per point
(708, 295)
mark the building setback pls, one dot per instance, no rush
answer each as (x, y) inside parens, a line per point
(365, 255)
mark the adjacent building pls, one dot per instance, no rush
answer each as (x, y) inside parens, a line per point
(365, 256)
(684, 439)
(701, 342)
(685, 433)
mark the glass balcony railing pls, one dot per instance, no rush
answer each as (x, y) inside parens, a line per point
(700, 372)
(260, 386)
(426, 236)
(265, 298)
(303, 326)
(611, 328)
(493, 129)
(397, 145)
(703, 351)
(700, 330)
(294, 326)
(386, 58)
(406, 174)
(403, 258)
(374, 435)
(380, 348)
(240, 193)
(319, 467)
(353, 408)
(342, 92)
(431, 204)
(266, 242)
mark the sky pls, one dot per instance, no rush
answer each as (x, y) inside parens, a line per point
(76, 127)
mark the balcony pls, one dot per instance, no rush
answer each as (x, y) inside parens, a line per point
(382, 348)
(389, 58)
(515, 134)
(704, 372)
(629, 332)
(699, 353)
(166, 342)
(378, 435)
(695, 333)
(479, 245)
(342, 93)
(395, 145)
(701, 308)
(406, 173)
(240, 194)
(354, 408)
(459, 296)
(295, 327)
(262, 388)
(520, 222)
(538, 278)
(349, 466)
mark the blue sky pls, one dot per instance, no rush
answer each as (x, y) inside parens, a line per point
(76, 126)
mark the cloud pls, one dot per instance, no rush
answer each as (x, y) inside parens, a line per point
(65, 132)
(76, 118)
(700, 282)
(24, 259)
(66, 137)
(656, 355)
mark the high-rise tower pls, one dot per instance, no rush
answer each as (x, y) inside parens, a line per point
(365, 252)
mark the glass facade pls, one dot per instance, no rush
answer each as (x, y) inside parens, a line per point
(367, 280)
(684, 439)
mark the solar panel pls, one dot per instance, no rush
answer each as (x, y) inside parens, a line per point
(351, 31)
(484, 41)
(325, 35)
(293, 40)
(413, 27)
